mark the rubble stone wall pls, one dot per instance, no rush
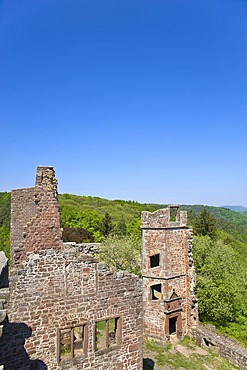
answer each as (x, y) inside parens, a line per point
(208, 337)
(55, 286)
(35, 223)
(56, 289)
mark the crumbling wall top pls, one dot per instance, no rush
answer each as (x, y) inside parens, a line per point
(35, 220)
(168, 217)
(45, 179)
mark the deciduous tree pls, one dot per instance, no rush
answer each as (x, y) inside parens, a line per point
(122, 253)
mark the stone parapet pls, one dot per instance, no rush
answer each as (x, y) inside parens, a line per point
(169, 217)
(207, 336)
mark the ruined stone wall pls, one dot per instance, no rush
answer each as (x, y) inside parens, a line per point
(55, 289)
(35, 221)
(4, 295)
(91, 249)
(58, 289)
(172, 276)
(228, 349)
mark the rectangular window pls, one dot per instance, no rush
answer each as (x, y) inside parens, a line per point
(155, 260)
(155, 292)
(174, 214)
(108, 333)
(72, 342)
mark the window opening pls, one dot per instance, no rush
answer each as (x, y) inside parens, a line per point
(172, 325)
(65, 343)
(174, 214)
(107, 333)
(155, 292)
(79, 333)
(72, 342)
(155, 260)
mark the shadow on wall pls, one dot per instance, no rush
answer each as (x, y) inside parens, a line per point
(12, 352)
(148, 364)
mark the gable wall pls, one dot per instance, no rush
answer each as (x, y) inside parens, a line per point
(54, 285)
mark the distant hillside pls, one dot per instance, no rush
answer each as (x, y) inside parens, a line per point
(88, 212)
(236, 208)
(128, 209)
(116, 208)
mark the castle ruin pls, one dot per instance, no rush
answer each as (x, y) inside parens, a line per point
(68, 311)
(169, 303)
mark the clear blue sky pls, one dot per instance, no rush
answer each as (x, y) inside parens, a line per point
(128, 99)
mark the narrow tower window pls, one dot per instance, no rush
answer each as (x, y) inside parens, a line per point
(174, 214)
(155, 260)
(155, 292)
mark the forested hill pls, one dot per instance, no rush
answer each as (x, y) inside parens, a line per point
(128, 209)
(72, 206)
(219, 249)
(88, 213)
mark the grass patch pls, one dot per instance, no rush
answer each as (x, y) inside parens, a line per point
(153, 346)
(159, 355)
(188, 342)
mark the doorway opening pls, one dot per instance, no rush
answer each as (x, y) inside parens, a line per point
(172, 325)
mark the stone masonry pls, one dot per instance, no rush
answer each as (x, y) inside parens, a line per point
(168, 273)
(66, 310)
(230, 349)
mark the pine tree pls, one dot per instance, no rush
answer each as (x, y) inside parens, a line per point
(106, 225)
(205, 224)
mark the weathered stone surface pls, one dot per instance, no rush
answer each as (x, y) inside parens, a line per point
(3, 314)
(54, 286)
(168, 274)
(86, 248)
(229, 349)
(35, 221)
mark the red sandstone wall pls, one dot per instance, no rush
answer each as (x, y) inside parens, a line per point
(53, 287)
(56, 289)
(35, 221)
(173, 242)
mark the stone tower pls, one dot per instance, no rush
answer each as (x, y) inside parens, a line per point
(168, 274)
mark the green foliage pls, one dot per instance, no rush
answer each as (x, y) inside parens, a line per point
(5, 209)
(134, 227)
(4, 240)
(106, 225)
(88, 220)
(205, 224)
(120, 228)
(234, 223)
(122, 253)
(5, 223)
(161, 356)
(239, 247)
(221, 264)
(237, 330)
(221, 282)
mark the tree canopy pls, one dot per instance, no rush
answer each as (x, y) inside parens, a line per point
(122, 253)
(221, 282)
(205, 224)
